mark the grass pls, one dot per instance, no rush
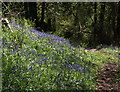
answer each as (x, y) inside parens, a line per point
(33, 60)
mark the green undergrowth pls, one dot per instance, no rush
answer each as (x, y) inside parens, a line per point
(118, 74)
(38, 61)
(103, 56)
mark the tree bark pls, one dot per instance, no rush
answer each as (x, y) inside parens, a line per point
(117, 31)
(101, 35)
(33, 11)
(95, 21)
(43, 12)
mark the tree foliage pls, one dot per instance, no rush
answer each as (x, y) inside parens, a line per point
(92, 23)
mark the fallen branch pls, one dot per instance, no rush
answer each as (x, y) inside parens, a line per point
(6, 22)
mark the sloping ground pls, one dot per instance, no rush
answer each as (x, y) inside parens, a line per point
(43, 62)
(42, 54)
(107, 77)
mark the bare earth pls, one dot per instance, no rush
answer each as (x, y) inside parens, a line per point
(107, 78)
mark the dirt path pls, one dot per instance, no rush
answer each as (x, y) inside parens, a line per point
(107, 78)
(107, 75)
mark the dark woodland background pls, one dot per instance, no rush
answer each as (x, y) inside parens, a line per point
(86, 24)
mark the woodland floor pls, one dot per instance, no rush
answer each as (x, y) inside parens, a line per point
(107, 78)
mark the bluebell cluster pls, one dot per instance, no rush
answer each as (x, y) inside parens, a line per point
(39, 34)
(56, 54)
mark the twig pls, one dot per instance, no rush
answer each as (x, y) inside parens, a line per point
(7, 22)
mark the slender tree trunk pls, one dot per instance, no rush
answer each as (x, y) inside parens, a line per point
(95, 22)
(117, 31)
(113, 23)
(49, 25)
(43, 24)
(54, 24)
(33, 11)
(43, 12)
(54, 21)
(26, 8)
(101, 35)
(49, 17)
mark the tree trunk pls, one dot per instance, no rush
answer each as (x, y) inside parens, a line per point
(33, 11)
(113, 23)
(101, 35)
(54, 24)
(117, 31)
(43, 25)
(26, 8)
(43, 12)
(95, 21)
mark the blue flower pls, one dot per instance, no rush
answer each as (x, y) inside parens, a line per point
(30, 68)
(3, 54)
(77, 81)
(19, 54)
(69, 66)
(78, 67)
